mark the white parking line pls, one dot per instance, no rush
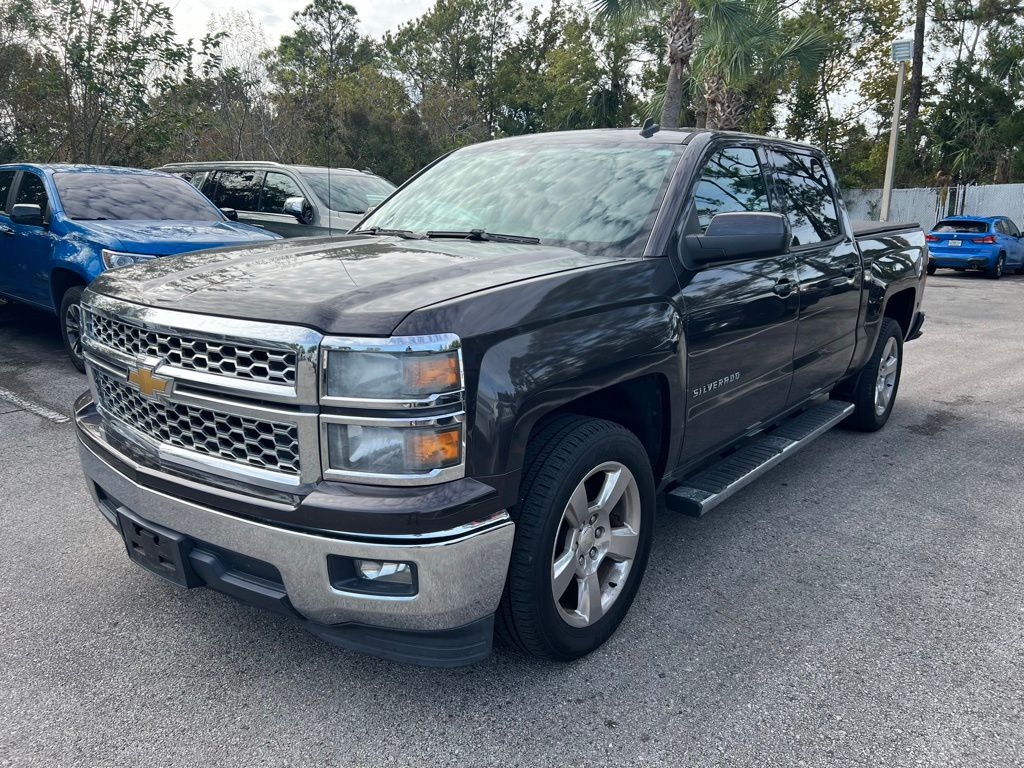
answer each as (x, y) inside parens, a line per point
(28, 405)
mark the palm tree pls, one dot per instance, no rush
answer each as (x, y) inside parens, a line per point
(680, 41)
(746, 49)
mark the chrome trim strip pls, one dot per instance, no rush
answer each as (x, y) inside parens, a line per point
(303, 341)
(460, 579)
(378, 478)
(441, 342)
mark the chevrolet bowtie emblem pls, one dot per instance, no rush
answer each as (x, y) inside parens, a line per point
(147, 382)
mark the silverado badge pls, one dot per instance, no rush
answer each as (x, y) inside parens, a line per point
(143, 377)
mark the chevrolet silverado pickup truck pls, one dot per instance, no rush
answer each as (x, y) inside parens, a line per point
(457, 421)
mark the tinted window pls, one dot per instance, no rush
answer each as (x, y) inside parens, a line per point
(31, 191)
(276, 189)
(596, 196)
(237, 189)
(128, 196)
(961, 226)
(807, 197)
(348, 192)
(1011, 228)
(731, 181)
(195, 178)
(6, 179)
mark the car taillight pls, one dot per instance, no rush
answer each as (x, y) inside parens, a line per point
(989, 239)
(931, 238)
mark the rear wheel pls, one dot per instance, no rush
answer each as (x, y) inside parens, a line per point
(71, 325)
(995, 272)
(874, 390)
(583, 533)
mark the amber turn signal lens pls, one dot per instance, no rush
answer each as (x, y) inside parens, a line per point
(432, 374)
(434, 449)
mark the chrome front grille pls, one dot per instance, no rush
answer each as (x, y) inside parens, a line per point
(254, 442)
(237, 360)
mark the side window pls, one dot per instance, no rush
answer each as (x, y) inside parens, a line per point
(195, 178)
(236, 189)
(807, 197)
(731, 181)
(1011, 228)
(6, 180)
(276, 189)
(31, 191)
(998, 227)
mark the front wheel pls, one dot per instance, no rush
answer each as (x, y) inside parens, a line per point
(995, 272)
(583, 533)
(71, 325)
(874, 390)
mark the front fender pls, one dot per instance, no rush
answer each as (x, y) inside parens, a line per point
(529, 375)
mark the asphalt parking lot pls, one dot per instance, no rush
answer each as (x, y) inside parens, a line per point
(863, 604)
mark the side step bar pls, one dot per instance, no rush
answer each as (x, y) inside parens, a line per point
(710, 487)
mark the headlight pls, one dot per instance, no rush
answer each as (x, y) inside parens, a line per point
(428, 449)
(408, 374)
(115, 259)
(400, 372)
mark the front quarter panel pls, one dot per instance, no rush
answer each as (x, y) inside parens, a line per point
(534, 346)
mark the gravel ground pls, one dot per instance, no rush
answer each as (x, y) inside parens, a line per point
(862, 604)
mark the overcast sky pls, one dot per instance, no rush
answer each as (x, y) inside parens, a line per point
(377, 16)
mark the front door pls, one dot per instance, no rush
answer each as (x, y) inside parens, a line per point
(30, 245)
(829, 272)
(740, 317)
(277, 188)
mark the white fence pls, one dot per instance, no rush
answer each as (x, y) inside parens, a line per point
(927, 205)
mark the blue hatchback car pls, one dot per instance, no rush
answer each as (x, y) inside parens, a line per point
(62, 225)
(990, 243)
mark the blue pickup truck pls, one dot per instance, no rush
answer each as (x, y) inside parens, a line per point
(992, 244)
(62, 225)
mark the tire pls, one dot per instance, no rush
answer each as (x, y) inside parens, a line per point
(559, 460)
(931, 269)
(71, 325)
(870, 415)
(995, 272)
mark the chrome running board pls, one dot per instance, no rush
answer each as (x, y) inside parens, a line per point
(710, 487)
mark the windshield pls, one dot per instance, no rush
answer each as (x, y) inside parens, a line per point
(134, 197)
(348, 192)
(593, 197)
(961, 226)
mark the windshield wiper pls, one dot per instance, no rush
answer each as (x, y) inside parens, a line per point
(406, 234)
(479, 234)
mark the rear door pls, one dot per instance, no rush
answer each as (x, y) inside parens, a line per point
(740, 316)
(829, 271)
(31, 245)
(1016, 241)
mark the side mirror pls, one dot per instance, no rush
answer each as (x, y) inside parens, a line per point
(300, 209)
(27, 213)
(740, 235)
(230, 213)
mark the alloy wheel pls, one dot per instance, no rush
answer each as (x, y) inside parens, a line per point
(888, 367)
(73, 328)
(595, 544)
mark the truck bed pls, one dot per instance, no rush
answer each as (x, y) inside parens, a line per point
(869, 228)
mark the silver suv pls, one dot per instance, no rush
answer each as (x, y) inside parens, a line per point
(291, 200)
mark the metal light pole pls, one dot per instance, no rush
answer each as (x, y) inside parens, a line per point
(902, 52)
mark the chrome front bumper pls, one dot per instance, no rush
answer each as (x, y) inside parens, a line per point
(460, 579)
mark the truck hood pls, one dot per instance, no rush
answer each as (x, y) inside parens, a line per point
(164, 238)
(351, 285)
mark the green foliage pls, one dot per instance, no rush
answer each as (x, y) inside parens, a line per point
(107, 81)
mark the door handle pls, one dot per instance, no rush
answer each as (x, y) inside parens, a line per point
(783, 286)
(851, 270)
